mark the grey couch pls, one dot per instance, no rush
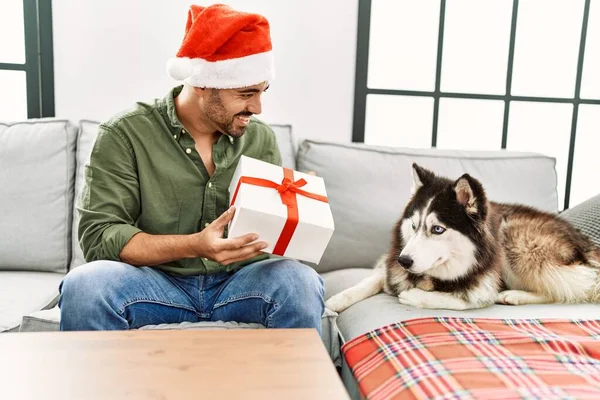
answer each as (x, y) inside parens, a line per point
(41, 165)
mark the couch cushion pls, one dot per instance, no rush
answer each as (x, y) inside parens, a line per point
(285, 142)
(586, 217)
(87, 136)
(23, 293)
(85, 141)
(37, 172)
(342, 279)
(41, 321)
(368, 187)
(382, 309)
(204, 325)
(49, 320)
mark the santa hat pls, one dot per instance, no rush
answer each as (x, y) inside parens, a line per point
(223, 49)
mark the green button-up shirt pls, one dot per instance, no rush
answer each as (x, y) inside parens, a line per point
(145, 175)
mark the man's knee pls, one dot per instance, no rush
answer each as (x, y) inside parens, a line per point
(90, 296)
(302, 297)
(297, 278)
(300, 287)
(91, 283)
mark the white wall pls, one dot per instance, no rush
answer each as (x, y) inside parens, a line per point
(109, 54)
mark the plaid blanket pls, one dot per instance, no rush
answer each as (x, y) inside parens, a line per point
(464, 358)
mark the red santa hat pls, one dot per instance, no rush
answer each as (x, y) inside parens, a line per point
(223, 49)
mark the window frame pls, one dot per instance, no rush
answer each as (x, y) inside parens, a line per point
(362, 90)
(39, 59)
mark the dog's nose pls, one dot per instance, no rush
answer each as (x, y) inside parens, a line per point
(405, 261)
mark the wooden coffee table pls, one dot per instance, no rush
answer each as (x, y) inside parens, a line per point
(173, 364)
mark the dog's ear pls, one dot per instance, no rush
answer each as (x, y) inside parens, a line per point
(471, 195)
(421, 177)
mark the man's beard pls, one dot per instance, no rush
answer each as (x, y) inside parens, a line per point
(217, 113)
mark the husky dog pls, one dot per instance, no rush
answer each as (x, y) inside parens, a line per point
(453, 249)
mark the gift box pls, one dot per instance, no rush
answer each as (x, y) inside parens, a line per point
(288, 209)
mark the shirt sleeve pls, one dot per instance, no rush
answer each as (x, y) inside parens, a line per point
(109, 203)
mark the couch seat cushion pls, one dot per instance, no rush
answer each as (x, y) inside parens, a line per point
(22, 293)
(382, 309)
(49, 320)
(342, 279)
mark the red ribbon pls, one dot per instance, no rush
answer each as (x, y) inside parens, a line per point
(288, 189)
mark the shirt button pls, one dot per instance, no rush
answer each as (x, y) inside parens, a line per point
(183, 131)
(205, 259)
(188, 151)
(209, 184)
(174, 136)
(206, 225)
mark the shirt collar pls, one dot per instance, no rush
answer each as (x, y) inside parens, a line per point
(169, 100)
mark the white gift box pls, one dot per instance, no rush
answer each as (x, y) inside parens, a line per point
(261, 209)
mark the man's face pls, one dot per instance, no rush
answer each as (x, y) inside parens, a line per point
(230, 109)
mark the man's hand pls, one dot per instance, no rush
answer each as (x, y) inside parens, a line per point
(209, 243)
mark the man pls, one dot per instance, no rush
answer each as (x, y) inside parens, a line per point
(154, 208)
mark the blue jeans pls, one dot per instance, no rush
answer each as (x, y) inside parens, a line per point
(109, 295)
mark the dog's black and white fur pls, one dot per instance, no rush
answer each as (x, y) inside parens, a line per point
(453, 249)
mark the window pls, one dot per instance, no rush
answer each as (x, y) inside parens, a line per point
(26, 64)
(498, 74)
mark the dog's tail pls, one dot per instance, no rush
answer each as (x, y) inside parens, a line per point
(364, 289)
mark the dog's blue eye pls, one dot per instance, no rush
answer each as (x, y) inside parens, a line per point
(438, 230)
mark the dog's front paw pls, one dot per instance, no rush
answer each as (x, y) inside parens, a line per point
(519, 297)
(337, 303)
(414, 297)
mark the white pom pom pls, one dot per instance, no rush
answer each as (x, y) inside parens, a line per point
(180, 68)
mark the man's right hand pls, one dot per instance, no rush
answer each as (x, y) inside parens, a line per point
(209, 242)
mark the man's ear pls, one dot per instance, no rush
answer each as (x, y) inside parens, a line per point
(421, 177)
(198, 90)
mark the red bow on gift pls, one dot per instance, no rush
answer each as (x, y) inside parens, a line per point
(288, 189)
